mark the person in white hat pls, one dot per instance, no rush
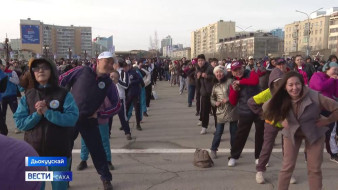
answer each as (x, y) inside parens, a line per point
(90, 87)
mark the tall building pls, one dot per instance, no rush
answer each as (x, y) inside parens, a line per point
(179, 54)
(258, 45)
(318, 33)
(278, 32)
(298, 33)
(204, 40)
(333, 35)
(167, 41)
(57, 41)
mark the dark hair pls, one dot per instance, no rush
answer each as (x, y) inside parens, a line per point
(280, 103)
(201, 56)
(121, 62)
(332, 57)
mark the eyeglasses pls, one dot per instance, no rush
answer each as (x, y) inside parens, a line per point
(42, 67)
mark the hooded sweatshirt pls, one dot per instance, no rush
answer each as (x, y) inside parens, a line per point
(49, 134)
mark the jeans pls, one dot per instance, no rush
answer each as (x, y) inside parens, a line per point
(218, 134)
(182, 84)
(191, 93)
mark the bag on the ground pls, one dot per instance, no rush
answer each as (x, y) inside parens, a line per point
(154, 94)
(202, 159)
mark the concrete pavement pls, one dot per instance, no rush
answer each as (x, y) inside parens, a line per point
(160, 156)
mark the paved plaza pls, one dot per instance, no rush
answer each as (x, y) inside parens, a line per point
(161, 156)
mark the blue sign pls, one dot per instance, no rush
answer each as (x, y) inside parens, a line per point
(30, 34)
(46, 161)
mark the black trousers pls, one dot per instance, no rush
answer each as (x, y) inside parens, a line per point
(89, 130)
(243, 129)
(148, 94)
(198, 100)
(12, 101)
(3, 126)
(205, 110)
(135, 100)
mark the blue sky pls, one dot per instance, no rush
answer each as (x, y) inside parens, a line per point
(132, 22)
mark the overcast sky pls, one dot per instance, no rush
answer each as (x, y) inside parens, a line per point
(132, 22)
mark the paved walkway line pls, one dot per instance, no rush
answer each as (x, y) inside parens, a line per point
(175, 151)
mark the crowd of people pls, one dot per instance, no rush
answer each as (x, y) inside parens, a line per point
(64, 99)
(296, 97)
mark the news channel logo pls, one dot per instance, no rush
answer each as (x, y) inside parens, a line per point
(48, 176)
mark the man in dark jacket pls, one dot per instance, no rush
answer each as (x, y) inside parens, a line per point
(204, 76)
(90, 87)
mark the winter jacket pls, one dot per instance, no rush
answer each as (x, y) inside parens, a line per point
(205, 84)
(123, 83)
(89, 90)
(50, 134)
(325, 85)
(13, 81)
(224, 112)
(309, 107)
(248, 88)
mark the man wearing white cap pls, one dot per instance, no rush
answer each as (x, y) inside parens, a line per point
(90, 87)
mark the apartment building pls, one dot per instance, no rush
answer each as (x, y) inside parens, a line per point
(204, 40)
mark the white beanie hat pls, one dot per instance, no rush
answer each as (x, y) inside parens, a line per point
(220, 67)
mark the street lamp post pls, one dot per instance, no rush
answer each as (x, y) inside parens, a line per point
(308, 29)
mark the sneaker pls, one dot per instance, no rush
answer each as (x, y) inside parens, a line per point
(260, 178)
(180, 93)
(128, 136)
(199, 123)
(334, 158)
(197, 113)
(213, 154)
(203, 131)
(189, 105)
(138, 127)
(17, 131)
(145, 114)
(293, 180)
(107, 185)
(121, 128)
(110, 166)
(232, 162)
(83, 165)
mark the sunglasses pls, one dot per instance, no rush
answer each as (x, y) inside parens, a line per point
(41, 67)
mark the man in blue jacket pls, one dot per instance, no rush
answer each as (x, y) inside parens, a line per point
(89, 87)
